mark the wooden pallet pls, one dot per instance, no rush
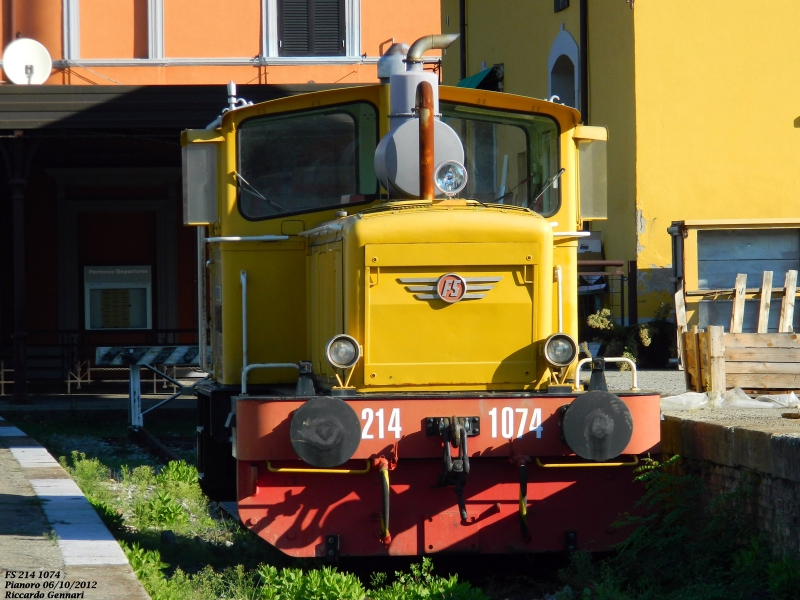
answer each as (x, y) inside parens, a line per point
(716, 361)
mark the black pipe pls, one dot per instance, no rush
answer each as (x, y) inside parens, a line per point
(462, 41)
(584, 60)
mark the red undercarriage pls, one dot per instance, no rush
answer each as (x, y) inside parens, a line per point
(296, 511)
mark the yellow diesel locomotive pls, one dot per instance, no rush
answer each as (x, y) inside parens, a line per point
(388, 289)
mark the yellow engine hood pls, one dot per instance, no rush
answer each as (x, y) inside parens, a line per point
(392, 263)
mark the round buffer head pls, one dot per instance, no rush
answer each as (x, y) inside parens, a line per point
(597, 426)
(325, 432)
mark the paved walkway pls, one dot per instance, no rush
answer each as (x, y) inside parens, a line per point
(51, 538)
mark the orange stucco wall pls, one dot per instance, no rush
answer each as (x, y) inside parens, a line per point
(201, 29)
(405, 21)
(37, 19)
(212, 28)
(115, 29)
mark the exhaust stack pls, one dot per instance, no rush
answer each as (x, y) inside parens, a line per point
(423, 44)
(397, 158)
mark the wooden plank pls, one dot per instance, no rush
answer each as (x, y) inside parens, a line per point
(704, 361)
(680, 308)
(690, 360)
(698, 367)
(766, 299)
(738, 304)
(787, 306)
(766, 381)
(763, 367)
(762, 340)
(762, 354)
(681, 323)
(716, 354)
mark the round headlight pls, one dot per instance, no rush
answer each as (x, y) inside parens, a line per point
(450, 177)
(343, 351)
(560, 350)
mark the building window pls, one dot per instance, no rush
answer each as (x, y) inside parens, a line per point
(311, 28)
(724, 253)
(563, 69)
(562, 80)
(559, 5)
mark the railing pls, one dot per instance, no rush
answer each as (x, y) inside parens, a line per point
(67, 356)
(602, 284)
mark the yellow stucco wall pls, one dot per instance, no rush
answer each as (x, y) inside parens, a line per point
(517, 33)
(717, 97)
(699, 99)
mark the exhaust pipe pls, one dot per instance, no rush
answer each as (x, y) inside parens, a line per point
(423, 44)
(425, 112)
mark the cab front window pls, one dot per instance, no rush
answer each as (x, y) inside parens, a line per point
(511, 158)
(305, 161)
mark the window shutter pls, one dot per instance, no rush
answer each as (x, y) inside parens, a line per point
(311, 27)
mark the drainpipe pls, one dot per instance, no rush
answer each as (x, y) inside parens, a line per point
(584, 60)
(462, 28)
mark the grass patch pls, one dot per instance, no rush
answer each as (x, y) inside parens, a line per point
(182, 546)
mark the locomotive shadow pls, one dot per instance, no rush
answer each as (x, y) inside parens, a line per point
(515, 363)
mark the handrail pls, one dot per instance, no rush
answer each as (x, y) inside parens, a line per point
(321, 229)
(569, 465)
(334, 471)
(616, 359)
(202, 317)
(576, 234)
(560, 299)
(247, 238)
(253, 366)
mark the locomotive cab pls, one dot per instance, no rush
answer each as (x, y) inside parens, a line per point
(388, 284)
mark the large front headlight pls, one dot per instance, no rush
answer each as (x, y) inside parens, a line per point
(560, 350)
(343, 351)
(450, 177)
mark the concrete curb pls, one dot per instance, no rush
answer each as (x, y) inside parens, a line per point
(89, 562)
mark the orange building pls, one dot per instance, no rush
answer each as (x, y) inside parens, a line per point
(189, 42)
(90, 196)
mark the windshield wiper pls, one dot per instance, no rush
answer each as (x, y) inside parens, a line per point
(552, 181)
(250, 188)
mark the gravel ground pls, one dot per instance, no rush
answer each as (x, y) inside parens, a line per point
(667, 382)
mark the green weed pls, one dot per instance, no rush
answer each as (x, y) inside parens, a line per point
(147, 501)
(682, 547)
(421, 584)
(52, 536)
(178, 471)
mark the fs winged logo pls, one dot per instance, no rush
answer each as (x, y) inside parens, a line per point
(450, 287)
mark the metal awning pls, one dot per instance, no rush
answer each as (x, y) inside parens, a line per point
(65, 107)
(474, 81)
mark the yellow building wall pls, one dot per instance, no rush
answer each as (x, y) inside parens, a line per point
(517, 33)
(612, 104)
(716, 102)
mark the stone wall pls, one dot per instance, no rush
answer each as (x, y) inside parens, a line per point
(760, 460)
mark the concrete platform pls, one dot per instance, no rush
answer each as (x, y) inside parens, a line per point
(51, 538)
